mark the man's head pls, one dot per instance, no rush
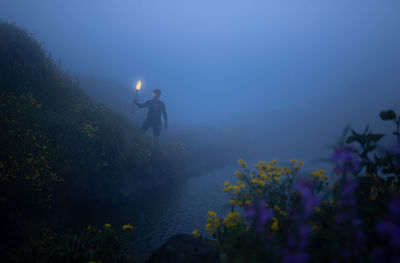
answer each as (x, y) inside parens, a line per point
(156, 93)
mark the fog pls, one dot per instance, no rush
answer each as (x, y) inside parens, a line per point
(276, 79)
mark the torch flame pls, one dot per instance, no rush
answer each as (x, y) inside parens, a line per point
(138, 85)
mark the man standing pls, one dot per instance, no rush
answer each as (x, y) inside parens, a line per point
(153, 119)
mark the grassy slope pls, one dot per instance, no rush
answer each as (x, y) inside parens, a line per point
(58, 146)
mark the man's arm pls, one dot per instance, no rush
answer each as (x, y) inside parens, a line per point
(140, 105)
(164, 111)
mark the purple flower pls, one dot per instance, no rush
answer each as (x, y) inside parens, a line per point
(394, 149)
(295, 257)
(390, 226)
(348, 211)
(260, 213)
(304, 190)
(389, 230)
(394, 207)
(345, 160)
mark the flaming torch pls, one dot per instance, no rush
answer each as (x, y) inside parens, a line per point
(138, 86)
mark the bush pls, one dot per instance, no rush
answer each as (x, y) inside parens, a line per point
(350, 215)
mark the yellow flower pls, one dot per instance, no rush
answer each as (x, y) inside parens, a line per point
(277, 178)
(232, 219)
(317, 209)
(293, 161)
(275, 224)
(89, 227)
(227, 183)
(283, 213)
(107, 225)
(315, 227)
(239, 174)
(196, 233)
(236, 189)
(209, 220)
(208, 227)
(128, 226)
(300, 163)
(242, 162)
(212, 213)
(277, 208)
(226, 189)
(232, 201)
(262, 163)
(217, 222)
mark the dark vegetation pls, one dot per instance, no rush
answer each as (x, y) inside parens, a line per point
(59, 148)
(349, 214)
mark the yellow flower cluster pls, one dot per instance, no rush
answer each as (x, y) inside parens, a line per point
(106, 225)
(279, 210)
(320, 175)
(242, 162)
(275, 224)
(232, 219)
(213, 223)
(373, 193)
(127, 226)
(235, 188)
(296, 164)
(196, 233)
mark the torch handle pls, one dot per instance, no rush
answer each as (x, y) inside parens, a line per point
(133, 106)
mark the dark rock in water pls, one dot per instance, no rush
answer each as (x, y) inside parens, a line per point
(185, 248)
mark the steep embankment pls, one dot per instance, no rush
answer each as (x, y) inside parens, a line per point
(58, 146)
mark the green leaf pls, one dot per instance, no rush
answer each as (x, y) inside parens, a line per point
(351, 139)
(375, 137)
(387, 115)
(370, 148)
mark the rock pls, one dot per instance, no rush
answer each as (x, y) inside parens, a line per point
(185, 248)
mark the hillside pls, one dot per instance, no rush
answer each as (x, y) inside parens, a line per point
(59, 147)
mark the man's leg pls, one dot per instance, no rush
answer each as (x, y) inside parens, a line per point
(146, 125)
(156, 132)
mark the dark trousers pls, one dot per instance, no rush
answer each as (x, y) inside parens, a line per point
(155, 125)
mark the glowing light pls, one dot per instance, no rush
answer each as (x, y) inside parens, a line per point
(139, 85)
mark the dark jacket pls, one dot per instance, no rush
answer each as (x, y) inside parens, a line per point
(156, 107)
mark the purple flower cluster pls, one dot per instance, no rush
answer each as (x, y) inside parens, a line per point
(347, 212)
(395, 149)
(297, 243)
(304, 189)
(345, 160)
(347, 217)
(259, 213)
(389, 230)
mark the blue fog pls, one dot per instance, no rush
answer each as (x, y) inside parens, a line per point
(280, 78)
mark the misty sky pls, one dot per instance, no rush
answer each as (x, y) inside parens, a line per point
(222, 60)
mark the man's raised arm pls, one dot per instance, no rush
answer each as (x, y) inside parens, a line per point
(141, 105)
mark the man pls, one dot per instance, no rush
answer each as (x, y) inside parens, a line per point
(153, 119)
